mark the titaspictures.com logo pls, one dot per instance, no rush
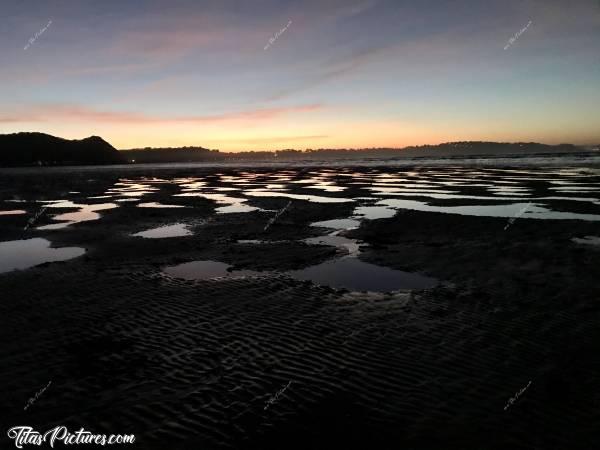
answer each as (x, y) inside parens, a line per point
(25, 435)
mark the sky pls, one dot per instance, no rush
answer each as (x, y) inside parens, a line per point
(266, 74)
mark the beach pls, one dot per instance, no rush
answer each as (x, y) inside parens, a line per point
(382, 307)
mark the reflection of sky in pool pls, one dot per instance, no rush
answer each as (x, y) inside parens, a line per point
(206, 270)
(25, 253)
(375, 194)
(346, 272)
(354, 274)
(232, 204)
(85, 213)
(384, 190)
(309, 198)
(166, 231)
(506, 210)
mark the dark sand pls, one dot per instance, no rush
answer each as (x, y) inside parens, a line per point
(192, 364)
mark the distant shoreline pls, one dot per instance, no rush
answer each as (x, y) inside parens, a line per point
(583, 159)
(44, 150)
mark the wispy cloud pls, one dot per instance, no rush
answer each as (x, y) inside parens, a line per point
(165, 44)
(177, 37)
(331, 70)
(358, 8)
(44, 113)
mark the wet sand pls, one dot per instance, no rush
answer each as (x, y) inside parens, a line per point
(188, 364)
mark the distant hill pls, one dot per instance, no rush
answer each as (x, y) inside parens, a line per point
(26, 149)
(450, 149)
(489, 149)
(445, 150)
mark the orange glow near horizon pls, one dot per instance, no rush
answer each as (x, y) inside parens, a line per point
(342, 75)
(282, 133)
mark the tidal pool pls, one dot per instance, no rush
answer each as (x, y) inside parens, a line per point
(356, 275)
(167, 231)
(85, 213)
(13, 212)
(25, 253)
(206, 270)
(347, 272)
(157, 205)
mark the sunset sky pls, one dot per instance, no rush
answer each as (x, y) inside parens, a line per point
(342, 74)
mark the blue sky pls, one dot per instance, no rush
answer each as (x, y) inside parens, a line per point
(342, 74)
